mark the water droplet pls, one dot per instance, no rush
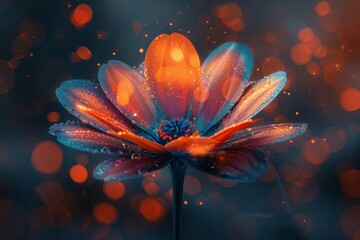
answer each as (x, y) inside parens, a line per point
(135, 156)
(105, 150)
(142, 171)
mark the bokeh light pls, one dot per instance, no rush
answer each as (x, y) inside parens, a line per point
(350, 99)
(305, 34)
(47, 157)
(323, 8)
(313, 69)
(78, 173)
(350, 181)
(150, 186)
(301, 54)
(350, 36)
(105, 213)
(82, 15)
(114, 190)
(191, 185)
(272, 64)
(50, 192)
(151, 209)
(316, 150)
(53, 117)
(83, 53)
(231, 16)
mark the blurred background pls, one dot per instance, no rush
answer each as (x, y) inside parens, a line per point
(312, 187)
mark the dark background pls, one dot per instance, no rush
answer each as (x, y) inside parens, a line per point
(318, 195)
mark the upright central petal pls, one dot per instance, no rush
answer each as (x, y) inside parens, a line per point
(172, 71)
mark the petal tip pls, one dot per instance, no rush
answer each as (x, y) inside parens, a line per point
(303, 127)
(279, 76)
(52, 130)
(116, 62)
(68, 85)
(300, 129)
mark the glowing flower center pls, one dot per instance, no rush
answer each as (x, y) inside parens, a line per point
(174, 128)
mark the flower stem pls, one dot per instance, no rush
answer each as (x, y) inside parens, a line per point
(178, 169)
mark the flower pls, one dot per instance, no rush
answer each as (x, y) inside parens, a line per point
(177, 111)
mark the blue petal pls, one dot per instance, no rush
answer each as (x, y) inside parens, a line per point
(83, 138)
(235, 164)
(128, 168)
(86, 101)
(224, 76)
(125, 88)
(265, 135)
(255, 98)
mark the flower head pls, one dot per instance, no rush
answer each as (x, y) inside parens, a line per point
(178, 110)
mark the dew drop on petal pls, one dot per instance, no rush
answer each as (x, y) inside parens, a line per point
(135, 156)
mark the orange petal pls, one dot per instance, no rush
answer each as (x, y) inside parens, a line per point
(194, 145)
(125, 88)
(142, 142)
(99, 117)
(265, 135)
(172, 71)
(86, 101)
(256, 98)
(224, 74)
(226, 133)
(200, 146)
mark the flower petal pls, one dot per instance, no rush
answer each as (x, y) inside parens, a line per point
(172, 71)
(265, 135)
(224, 75)
(86, 101)
(127, 91)
(256, 98)
(201, 146)
(128, 168)
(237, 164)
(83, 138)
(140, 141)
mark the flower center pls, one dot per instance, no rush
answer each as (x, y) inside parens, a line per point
(174, 128)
